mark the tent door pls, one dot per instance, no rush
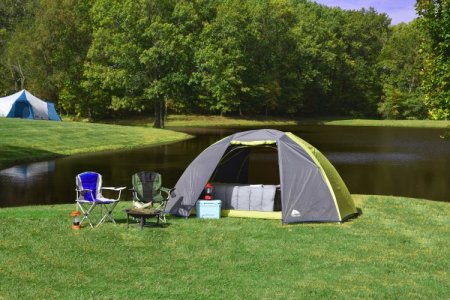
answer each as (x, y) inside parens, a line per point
(22, 109)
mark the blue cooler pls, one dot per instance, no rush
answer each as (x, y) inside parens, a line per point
(208, 209)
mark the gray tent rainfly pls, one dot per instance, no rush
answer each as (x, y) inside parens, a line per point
(311, 188)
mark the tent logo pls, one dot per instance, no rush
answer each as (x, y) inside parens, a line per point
(295, 213)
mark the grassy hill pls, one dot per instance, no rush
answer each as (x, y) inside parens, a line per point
(397, 249)
(28, 140)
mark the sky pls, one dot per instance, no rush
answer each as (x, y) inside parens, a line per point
(398, 10)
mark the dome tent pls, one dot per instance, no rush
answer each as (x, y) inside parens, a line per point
(311, 188)
(25, 105)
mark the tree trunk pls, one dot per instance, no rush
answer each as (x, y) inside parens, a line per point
(22, 76)
(165, 112)
(18, 75)
(157, 123)
(159, 114)
(11, 69)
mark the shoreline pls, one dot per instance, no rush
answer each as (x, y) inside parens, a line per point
(141, 127)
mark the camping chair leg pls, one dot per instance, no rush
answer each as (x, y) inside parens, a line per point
(86, 211)
(162, 218)
(108, 214)
(161, 207)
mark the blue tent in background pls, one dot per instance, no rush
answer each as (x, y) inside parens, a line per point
(25, 105)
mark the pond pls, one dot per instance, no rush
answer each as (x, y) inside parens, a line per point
(371, 160)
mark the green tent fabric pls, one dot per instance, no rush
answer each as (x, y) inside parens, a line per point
(311, 188)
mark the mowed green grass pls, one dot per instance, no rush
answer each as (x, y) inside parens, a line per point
(27, 140)
(210, 121)
(262, 121)
(397, 249)
(389, 123)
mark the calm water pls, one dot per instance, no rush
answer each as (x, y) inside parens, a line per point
(387, 161)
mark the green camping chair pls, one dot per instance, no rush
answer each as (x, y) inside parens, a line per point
(148, 192)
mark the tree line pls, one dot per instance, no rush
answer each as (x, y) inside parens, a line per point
(109, 58)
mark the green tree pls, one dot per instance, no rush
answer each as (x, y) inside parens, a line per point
(339, 52)
(220, 59)
(355, 87)
(105, 58)
(276, 70)
(14, 14)
(435, 18)
(402, 65)
(47, 51)
(317, 48)
(113, 74)
(169, 56)
(141, 55)
(248, 60)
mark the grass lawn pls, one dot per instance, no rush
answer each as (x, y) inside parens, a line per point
(398, 249)
(389, 123)
(261, 121)
(27, 140)
(208, 121)
(221, 121)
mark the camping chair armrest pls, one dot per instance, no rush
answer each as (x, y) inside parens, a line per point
(117, 189)
(168, 191)
(134, 196)
(106, 200)
(114, 188)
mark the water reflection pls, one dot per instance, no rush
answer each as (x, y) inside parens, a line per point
(23, 173)
(23, 184)
(389, 161)
(373, 158)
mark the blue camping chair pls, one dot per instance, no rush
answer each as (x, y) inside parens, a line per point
(89, 196)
